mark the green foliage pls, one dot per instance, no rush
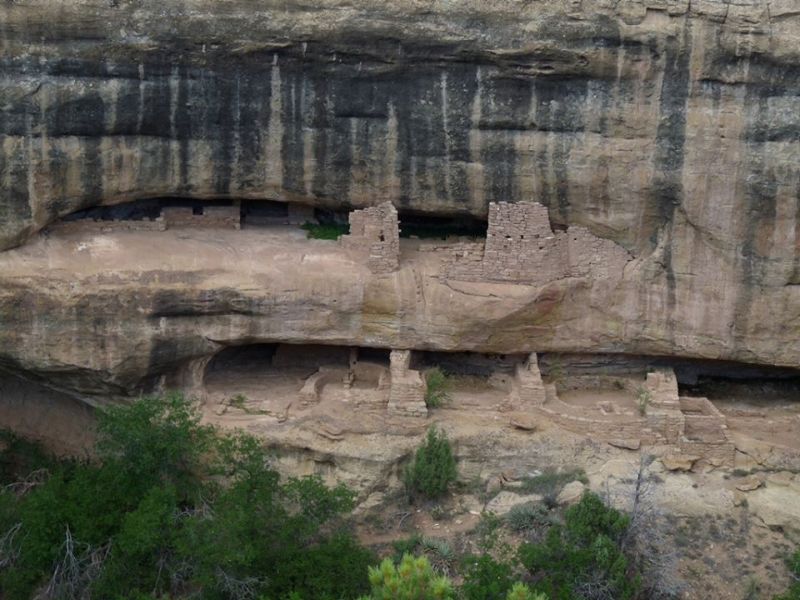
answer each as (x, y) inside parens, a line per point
(433, 468)
(405, 546)
(438, 387)
(793, 593)
(583, 553)
(550, 482)
(486, 578)
(520, 591)
(327, 231)
(643, 396)
(528, 516)
(412, 579)
(175, 508)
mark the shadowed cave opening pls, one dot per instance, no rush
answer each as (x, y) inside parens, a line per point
(428, 226)
(717, 380)
(270, 377)
(161, 213)
(142, 210)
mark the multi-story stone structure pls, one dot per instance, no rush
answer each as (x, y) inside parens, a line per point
(375, 236)
(521, 247)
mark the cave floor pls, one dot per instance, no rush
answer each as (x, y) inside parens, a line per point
(76, 252)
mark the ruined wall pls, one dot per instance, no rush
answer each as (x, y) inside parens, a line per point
(520, 247)
(407, 387)
(212, 217)
(88, 226)
(692, 426)
(375, 237)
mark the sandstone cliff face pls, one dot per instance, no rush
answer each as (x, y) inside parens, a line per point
(669, 126)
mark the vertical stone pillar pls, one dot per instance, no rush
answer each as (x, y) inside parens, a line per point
(527, 388)
(407, 387)
(350, 377)
(663, 407)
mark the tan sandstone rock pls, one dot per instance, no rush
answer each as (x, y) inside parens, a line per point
(679, 462)
(571, 493)
(505, 501)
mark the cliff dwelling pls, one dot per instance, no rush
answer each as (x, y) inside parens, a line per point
(565, 234)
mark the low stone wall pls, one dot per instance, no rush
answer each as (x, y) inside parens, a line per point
(90, 226)
(213, 217)
(312, 388)
(705, 432)
(692, 425)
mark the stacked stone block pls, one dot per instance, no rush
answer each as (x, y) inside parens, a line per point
(407, 387)
(213, 217)
(692, 426)
(527, 387)
(521, 248)
(375, 237)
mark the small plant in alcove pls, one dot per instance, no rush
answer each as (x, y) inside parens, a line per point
(556, 371)
(238, 401)
(438, 389)
(325, 231)
(644, 396)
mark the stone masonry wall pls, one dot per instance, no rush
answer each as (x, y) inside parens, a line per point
(521, 248)
(527, 387)
(89, 226)
(225, 217)
(375, 236)
(407, 387)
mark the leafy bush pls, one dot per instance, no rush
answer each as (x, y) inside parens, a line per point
(325, 231)
(405, 546)
(485, 578)
(433, 468)
(438, 387)
(549, 483)
(793, 593)
(173, 508)
(412, 579)
(520, 591)
(528, 516)
(643, 396)
(583, 554)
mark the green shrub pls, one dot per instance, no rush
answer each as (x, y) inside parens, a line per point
(643, 396)
(584, 553)
(405, 546)
(793, 593)
(433, 468)
(327, 231)
(520, 591)
(412, 579)
(485, 578)
(438, 387)
(549, 483)
(173, 508)
(528, 516)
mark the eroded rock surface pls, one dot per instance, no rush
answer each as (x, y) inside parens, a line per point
(669, 128)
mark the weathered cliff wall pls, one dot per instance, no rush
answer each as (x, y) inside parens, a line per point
(671, 127)
(639, 118)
